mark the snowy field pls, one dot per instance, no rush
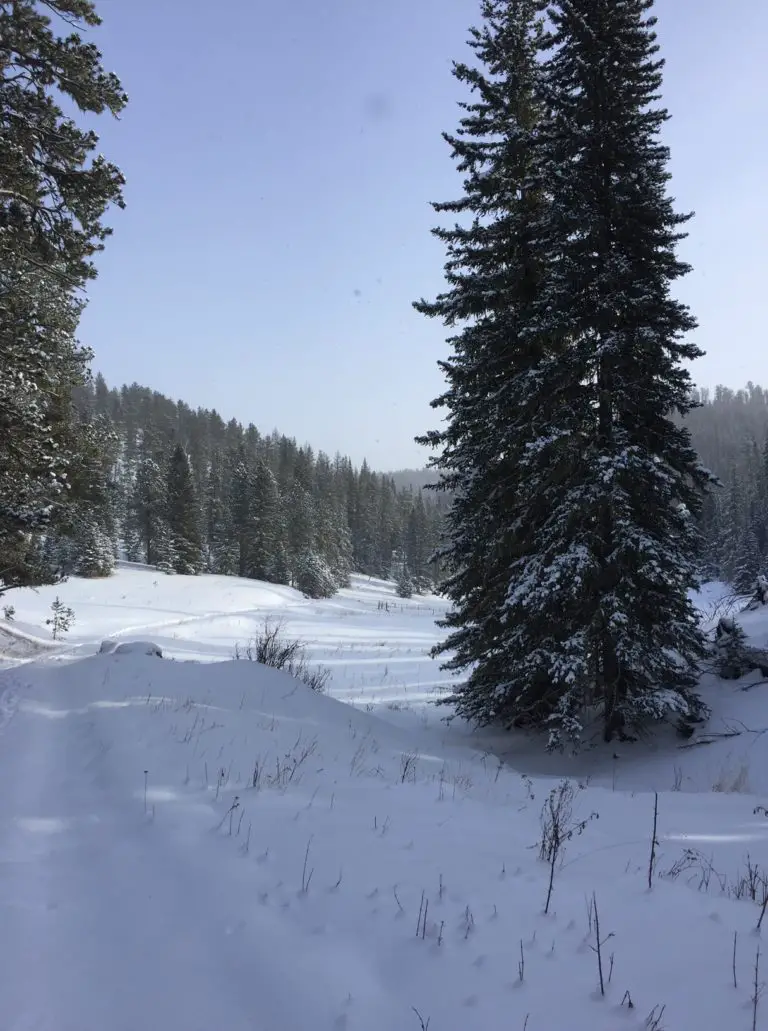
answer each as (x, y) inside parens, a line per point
(187, 846)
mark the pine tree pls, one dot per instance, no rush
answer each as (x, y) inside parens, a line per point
(601, 604)
(417, 547)
(494, 398)
(148, 513)
(572, 539)
(747, 564)
(182, 514)
(300, 527)
(312, 576)
(221, 546)
(404, 583)
(53, 197)
(242, 508)
(86, 534)
(268, 541)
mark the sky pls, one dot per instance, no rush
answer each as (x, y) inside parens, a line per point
(280, 160)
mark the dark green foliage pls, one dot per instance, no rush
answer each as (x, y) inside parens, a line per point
(147, 514)
(404, 584)
(494, 402)
(312, 576)
(182, 514)
(54, 191)
(573, 534)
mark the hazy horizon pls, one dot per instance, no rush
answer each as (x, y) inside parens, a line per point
(279, 173)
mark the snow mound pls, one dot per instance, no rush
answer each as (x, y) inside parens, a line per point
(110, 647)
(251, 853)
(18, 646)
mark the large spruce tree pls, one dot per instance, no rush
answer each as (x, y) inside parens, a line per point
(574, 565)
(495, 402)
(616, 553)
(54, 192)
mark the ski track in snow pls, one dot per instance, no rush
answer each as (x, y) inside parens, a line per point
(162, 929)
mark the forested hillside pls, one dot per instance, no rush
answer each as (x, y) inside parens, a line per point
(190, 492)
(730, 433)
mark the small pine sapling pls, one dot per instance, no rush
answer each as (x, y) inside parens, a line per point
(61, 619)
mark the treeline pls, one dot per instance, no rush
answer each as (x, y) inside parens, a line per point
(188, 492)
(730, 433)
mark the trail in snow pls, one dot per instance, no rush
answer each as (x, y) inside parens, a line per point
(113, 919)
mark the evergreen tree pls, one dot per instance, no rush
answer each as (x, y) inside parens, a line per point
(268, 542)
(747, 563)
(312, 576)
(495, 400)
(571, 539)
(221, 545)
(615, 479)
(182, 514)
(300, 528)
(417, 546)
(148, 513)
(53, 196)
(242, 509)
(404, 583)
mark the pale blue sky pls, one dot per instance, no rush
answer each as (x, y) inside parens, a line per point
(281, 156)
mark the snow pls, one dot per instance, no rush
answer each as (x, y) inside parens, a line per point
(187, 845)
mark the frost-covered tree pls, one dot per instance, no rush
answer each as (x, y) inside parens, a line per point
(54, 191)
(182, 514)
(600, 604)
(496, 403)
(312, 576)
(148, 513)
(221, 545)
(268, 540)
(572, 536)
(300, 524)
(404, 584)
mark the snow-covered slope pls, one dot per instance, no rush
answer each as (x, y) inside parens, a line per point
(188, 846)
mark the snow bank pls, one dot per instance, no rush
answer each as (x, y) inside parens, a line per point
(197, 846)
(18, 646)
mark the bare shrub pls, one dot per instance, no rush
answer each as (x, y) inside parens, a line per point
(271, 648)
(558, 826)
(733, 782)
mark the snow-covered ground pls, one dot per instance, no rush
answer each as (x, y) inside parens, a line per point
(187, 846)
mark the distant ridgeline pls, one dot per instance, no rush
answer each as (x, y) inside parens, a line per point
(730, 433)
(189, 492)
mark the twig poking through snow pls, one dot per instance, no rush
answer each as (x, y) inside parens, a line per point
(424, 1023)
(597, 947)
(306, 879)
(653, 1020)
(400, 910)
(735, 937)
(758, 990)
(421, 912)
(654, 841)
